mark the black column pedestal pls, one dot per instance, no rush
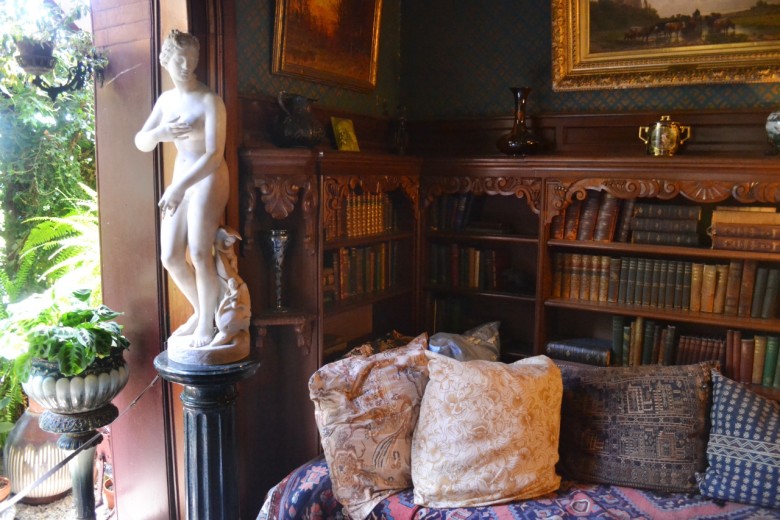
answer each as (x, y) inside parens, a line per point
(209, 400)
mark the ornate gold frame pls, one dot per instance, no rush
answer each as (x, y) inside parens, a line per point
(307, 63)
(576, 68)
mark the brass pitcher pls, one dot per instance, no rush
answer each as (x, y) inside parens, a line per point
(664, 137)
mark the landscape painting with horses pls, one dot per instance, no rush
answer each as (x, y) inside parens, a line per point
(655, 25)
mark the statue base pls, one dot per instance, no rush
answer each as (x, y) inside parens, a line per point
(180, 351)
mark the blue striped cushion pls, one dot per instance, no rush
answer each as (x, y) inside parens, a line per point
(744, 446)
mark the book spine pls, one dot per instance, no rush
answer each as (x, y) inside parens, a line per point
(648, 342)
(759, 358)
(604, 279)
(697, 278)
(737, 346)
(721, 280)
(614, 280)
(566, 276)
(676, 225)
(667, 211)
(623, 231)
(636, 341)
(769, 307)
(641, 270)
(671, 281)
(669, 342)
(588, 215)
(747, 348)
(579, 354)
(587, 275)
(708, 280)
(759, 288)
(746, 231)
(747, 218)
(728, 367)
(626, 347)
(617, 340)
(685, 296)
(607, 218)
(572, 220)
(623, 285)
(631, 284)
(746, 288)
(733, 284)
(576, 276)
(647, 283)
(556, 226)
(557, 274)
(668, 238)
(770, 361)
(761, 245)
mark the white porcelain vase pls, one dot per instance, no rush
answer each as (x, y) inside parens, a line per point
(85, 392)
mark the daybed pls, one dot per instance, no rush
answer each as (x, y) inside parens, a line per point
(481, 439)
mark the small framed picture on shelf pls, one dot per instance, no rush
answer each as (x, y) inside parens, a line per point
(344, 131)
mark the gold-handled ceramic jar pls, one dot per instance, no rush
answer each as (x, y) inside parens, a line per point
(664, 137)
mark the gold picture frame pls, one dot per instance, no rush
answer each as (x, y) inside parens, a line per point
(332, 43)
(668, 49)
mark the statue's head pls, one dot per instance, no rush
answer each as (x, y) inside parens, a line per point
(178, 41)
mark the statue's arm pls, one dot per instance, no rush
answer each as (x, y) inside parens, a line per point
(147, 138)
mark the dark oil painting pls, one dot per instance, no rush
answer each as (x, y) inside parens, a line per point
(330, 41)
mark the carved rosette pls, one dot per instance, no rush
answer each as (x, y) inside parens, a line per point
(520, 187)
(336, 189)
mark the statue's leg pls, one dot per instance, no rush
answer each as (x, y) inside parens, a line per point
(173, 253)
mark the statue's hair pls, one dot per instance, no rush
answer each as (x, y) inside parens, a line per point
(177, 40)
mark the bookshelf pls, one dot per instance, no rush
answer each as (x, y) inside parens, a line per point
(712, 292)
(370, 223)
(481, 242)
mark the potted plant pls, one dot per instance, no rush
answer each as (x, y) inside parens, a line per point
(70, 352)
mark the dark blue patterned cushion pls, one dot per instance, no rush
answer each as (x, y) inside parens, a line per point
(744, 447)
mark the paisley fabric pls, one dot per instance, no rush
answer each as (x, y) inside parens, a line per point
(487, 433)
(306, 494)
(643, 426)
(744, 447)
(366, 408)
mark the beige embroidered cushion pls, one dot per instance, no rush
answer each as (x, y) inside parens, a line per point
(366, 408)
(487, 432)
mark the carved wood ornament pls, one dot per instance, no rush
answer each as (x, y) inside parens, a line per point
(560, 193)
(336, 189)
(520, 187)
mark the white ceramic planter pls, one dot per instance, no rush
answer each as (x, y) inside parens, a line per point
(85, 392)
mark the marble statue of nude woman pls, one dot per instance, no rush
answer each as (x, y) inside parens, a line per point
(193, 118)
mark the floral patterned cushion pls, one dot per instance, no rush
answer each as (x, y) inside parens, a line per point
(366, 408)
(744, 446)
(487, 433)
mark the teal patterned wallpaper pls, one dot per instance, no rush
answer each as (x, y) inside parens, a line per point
(254, 32)
(454, 59)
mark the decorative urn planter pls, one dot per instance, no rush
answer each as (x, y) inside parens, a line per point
(87, 391)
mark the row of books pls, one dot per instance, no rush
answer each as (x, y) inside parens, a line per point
(742, 288)
(355, 271)
(457, 265)
(602, 217)
(752, 359)
(451, 212)
(755, 228)
(362, 215)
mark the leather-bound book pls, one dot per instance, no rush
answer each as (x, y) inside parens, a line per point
(641, 272)
(655, 282)
(585, 278)
(770, 361)
(576, 276)
(614, 280)
(759, 357)
(747, 285)
(647, 209)
(686, 286)
(671, 283)
(604, 278)
(746, 230)
(759, 288)
(721, 281)
(708, 280)
(625, 268)
(761, 245)
(675, 225)
(557, 274)
(631, 283)
(607, 218)
(623, 231)
(572, 220)
(647, 283)
(697, 276)
(747, 348)
(591, 351)
(728, 367)
(733, 283)
(668, 238)
(737, 342)
(669, 345)
(556, 226)
(588, 215)
(769, 307)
